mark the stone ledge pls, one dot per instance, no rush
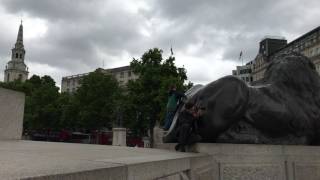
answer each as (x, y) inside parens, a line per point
(67, 161)
(256, 162)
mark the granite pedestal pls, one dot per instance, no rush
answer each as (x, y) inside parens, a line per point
(11, 114)
(119, 137)
(26, 160)
(256, 162)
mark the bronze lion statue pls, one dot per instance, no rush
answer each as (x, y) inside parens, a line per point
(283, 109)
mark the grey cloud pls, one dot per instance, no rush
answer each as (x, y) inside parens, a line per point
(55, 10)
(250, 18)
(71, 42)
(77, 29)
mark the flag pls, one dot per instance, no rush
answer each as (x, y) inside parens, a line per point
(240, 56)
(171, 51)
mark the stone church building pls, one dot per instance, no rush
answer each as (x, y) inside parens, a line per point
(16, 69)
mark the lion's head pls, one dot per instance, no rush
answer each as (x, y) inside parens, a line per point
(293, 71)
(295, 77)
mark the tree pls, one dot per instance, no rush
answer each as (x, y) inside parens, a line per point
(41, 106)
(15, 85)
(69, 110)
(41, 109)
(96, 99)
(147, 96)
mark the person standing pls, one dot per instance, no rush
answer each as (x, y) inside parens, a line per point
(187, 133)
(174, 97)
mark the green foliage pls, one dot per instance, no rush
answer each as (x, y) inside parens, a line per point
(69, 111)
(100, 102)
(42, 107)
(15, 85)
(147, 96)
(96, 100)
(91, 107)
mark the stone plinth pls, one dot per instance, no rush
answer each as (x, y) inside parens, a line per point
(146, 142)
(256, 162)
(158, 134)
(11, 114)
(119, 137)
(26, 160)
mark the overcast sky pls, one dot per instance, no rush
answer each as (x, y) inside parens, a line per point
(67, 37)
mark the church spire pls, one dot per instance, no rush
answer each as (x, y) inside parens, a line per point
(19, 43)
(16, 69)
(18, 51)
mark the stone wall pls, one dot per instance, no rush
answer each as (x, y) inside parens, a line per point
(255, 162)
(216, 162)
(26, 160)
(11, 114)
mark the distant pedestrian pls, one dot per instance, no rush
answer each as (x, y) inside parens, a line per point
(172, 105)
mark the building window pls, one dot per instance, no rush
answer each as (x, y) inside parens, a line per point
(122, 75)
(17, 55)
(307, 43)
(20, 56)
(129, 73)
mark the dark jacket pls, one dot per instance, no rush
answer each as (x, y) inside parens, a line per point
(186, 117)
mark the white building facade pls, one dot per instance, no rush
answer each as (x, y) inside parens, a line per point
(244, 72)
(308, 44)
(122, 74)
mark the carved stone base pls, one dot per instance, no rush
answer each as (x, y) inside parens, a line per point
(254, 162)
(262, 162)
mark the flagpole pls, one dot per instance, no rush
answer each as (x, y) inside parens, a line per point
(241, 58)
(171, 51)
